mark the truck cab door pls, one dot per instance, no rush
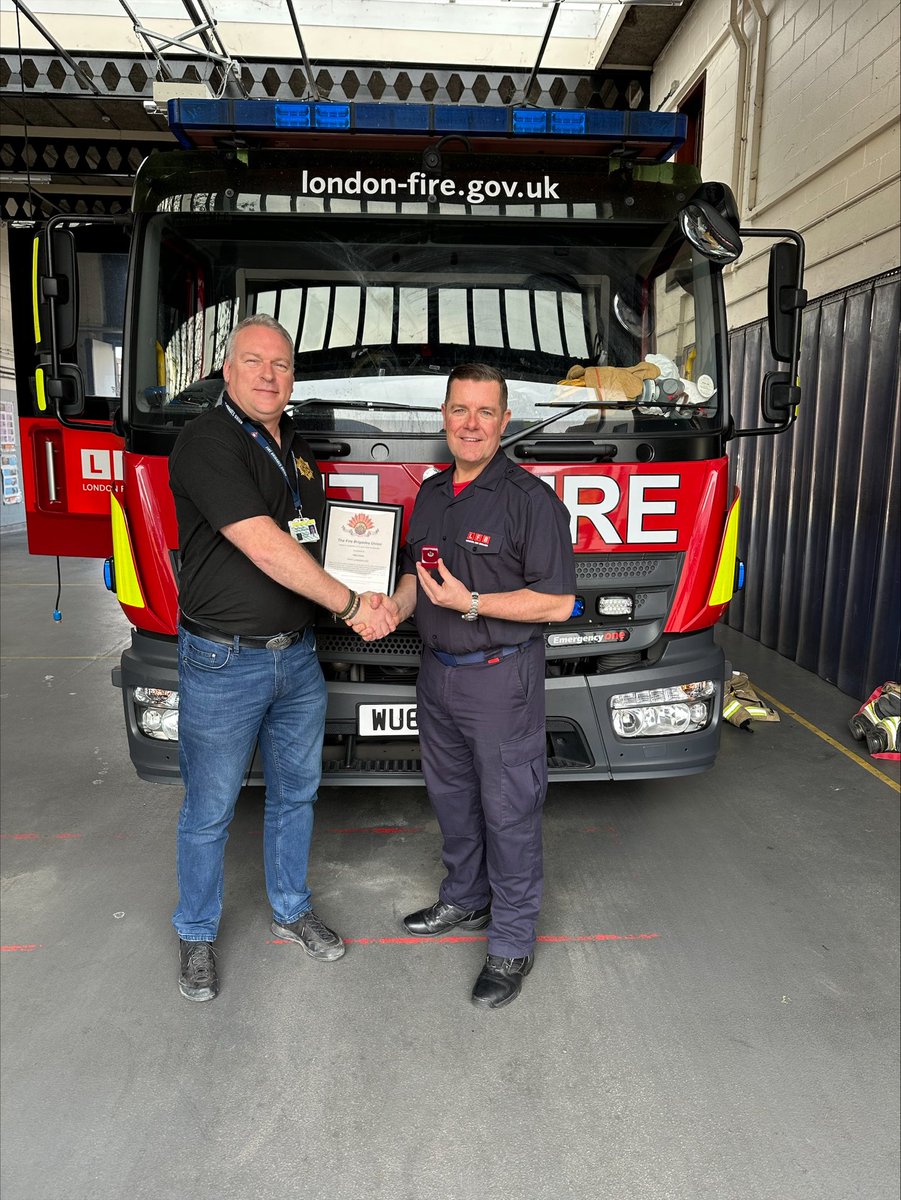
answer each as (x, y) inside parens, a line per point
(67, 283)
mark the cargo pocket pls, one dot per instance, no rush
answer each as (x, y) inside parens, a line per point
(523, 776)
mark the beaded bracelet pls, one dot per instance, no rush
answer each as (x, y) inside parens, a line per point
(354, 610)
(350, 608)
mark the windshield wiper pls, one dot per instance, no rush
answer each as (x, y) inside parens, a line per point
(373, 405)
(512, 438)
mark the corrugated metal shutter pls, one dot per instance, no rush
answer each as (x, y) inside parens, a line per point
(821, 528)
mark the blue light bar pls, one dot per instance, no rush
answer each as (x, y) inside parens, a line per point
(529, 120)
(568, 122)
(205, 122)
(331, 116)
(289, 116)
(413, 117)
(469, 118)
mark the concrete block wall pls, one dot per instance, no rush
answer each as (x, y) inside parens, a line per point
(802, 121)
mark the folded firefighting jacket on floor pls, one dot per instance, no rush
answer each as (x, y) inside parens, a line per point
(742, 705)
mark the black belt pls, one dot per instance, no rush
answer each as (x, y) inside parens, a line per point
(277, 641)
(477, 656)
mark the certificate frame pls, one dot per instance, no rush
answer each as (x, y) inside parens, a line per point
(360, 543)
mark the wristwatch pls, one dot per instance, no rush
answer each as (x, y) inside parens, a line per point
(473, 613)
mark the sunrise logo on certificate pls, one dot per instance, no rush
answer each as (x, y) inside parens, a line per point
(360, 525)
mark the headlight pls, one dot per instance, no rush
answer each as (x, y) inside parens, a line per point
(663, 712)
(156, 711)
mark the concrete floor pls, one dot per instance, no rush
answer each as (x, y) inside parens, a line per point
(729, 1028)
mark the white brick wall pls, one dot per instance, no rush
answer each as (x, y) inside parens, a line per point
(827, 161)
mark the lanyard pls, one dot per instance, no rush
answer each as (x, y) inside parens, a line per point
(264, 445)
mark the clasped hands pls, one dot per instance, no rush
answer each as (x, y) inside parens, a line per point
(379, 615)
(376, 617)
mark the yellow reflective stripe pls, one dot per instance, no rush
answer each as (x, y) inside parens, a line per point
(39, 389)
(730, 708)
(34, 292)
(128, 589)
(724, 580)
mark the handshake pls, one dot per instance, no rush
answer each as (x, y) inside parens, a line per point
(376, 616)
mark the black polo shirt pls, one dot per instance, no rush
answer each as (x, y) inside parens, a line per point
(506, 530)
(219, 474)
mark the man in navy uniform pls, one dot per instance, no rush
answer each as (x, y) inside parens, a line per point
(488, 561)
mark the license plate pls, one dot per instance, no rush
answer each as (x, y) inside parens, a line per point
(387, 720)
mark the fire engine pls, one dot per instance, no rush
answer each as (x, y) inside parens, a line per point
(395, 241)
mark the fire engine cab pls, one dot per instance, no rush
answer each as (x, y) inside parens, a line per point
(395, 241)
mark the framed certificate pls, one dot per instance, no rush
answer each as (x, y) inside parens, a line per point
(360, 543)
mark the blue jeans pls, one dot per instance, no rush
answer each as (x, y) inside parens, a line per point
(229, 697)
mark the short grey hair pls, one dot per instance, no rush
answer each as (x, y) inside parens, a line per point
(262, 320)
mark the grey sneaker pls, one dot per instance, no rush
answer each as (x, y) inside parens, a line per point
(313, 935)
(198, 979)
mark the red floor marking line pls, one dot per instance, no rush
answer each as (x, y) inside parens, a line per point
(452, 940)
(383, 829)
(68, 835)
(21, 949)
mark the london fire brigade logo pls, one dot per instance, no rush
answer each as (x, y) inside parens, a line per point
(360, 525)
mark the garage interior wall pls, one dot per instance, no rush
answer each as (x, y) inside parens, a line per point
(821, 513)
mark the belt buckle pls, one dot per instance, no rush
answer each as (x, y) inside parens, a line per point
(281, 642)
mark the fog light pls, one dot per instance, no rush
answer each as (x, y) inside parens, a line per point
(663, 712)
(616, 606)
(156, 712)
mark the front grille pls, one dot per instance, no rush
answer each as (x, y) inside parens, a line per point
(373, 766)
(401, 648)
(621, 570)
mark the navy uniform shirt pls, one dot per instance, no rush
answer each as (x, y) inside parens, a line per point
(218, 475)
(505, 531)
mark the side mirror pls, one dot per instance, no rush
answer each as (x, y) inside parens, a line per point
(785, 299)
(56, 291)
(64, 390)
(710, 232)
(781, 393)
(779, 397)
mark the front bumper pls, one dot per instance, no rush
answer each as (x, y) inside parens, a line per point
(581, 742)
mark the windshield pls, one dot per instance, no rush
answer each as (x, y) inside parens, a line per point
(608, 330)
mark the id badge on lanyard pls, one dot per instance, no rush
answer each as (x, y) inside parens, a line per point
(303, 529)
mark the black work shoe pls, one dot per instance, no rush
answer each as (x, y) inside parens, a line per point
(500, 980)
(431, 922)
(198, 980)
(313, 935)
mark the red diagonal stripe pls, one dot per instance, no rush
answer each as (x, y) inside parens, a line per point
(382, 829)
(453, 939)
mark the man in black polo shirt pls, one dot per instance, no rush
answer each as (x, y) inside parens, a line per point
(249, 501)
(488, 543)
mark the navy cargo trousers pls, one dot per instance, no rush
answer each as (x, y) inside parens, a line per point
(482, 736)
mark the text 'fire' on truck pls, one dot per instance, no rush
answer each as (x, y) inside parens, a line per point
(395, 241)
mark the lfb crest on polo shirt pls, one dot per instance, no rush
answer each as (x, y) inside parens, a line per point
(303, 467)
(478, 539)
